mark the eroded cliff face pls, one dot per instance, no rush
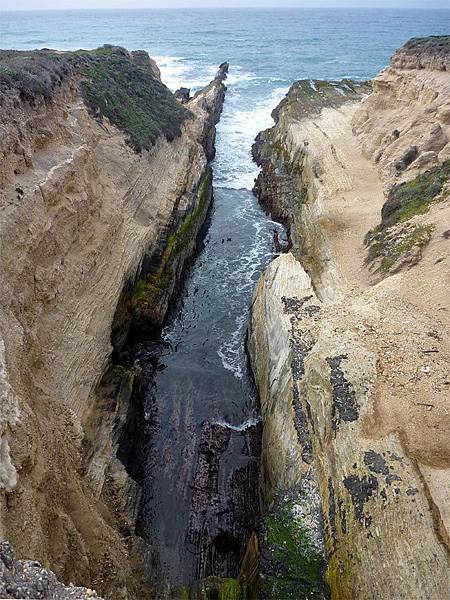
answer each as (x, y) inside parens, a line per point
(94, 177)
(349, 334)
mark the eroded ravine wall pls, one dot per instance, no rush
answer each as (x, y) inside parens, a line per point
(81, 208)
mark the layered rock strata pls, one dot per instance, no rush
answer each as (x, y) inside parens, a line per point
(349, 352)
(95, 176)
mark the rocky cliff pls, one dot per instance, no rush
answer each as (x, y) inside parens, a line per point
(104, 185)
(349, 335)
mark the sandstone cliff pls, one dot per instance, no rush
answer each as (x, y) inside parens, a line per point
(102, 171)
(349, 335)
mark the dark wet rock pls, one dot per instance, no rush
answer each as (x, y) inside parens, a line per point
(223, 515)
(28, 579)
(183, 95)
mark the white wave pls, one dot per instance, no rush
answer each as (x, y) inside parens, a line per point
(177, 71)
(173, 69)
(234, 166)
(251, 422)
(244, 271)
(230, 359)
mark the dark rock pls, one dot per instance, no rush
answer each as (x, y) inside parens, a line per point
(345, 407)
(183, 95)
(360, 490)
(376, 462)
(408, 157)
(214, 108)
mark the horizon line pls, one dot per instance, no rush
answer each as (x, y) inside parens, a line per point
(249, 7)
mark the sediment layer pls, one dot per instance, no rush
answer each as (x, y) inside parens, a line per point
(349, 333)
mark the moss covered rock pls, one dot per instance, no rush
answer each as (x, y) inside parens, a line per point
(293, 567)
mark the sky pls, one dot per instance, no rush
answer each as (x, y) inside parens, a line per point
(77, 4)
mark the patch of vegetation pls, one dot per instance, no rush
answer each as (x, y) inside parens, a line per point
(131, 98)
(430, 41)
(151, 287)
(414, 197)
(295, 568)
(32, 75)
(212, 588)
(388, 247)
(113, 85)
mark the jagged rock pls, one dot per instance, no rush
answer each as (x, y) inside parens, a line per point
(142, 58)
(28, 579)
(413, 93)
(218, 89)
(183, 94)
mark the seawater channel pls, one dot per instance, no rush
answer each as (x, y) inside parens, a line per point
(200, 446)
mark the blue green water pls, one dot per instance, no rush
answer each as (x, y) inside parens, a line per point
(202, 379)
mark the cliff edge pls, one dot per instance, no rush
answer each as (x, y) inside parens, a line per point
(102, 169)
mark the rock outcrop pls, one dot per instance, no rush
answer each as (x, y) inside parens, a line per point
(95, 178)
(28, 579)
(348, 350)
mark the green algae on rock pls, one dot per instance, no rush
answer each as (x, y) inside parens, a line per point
(292, 566)
(212, 588)
(153, 290)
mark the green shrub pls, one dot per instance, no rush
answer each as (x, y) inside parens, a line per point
(112, 85)
(414, 197)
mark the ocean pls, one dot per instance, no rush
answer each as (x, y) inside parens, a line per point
(202, 379)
